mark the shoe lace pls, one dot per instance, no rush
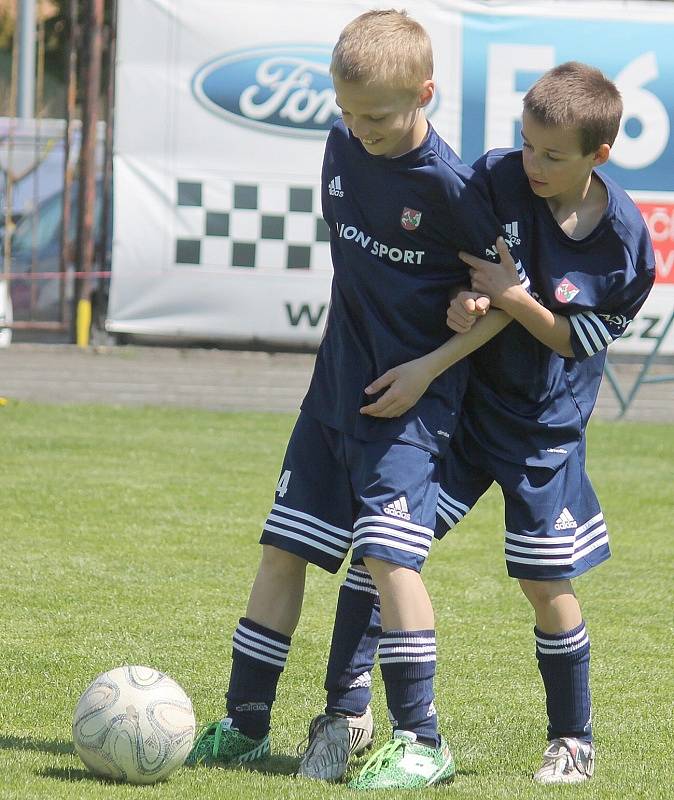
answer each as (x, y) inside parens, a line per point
(377, 762)
(314, 728)
(302, 747)
(560, 753)
(202, 745)
(217, 737)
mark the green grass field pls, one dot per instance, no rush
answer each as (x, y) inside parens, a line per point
(130, 536)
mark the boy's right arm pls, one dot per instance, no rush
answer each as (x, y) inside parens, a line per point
(406, 383)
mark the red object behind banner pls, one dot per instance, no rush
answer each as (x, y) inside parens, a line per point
(660, 220)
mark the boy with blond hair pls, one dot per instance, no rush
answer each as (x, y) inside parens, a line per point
(588, 267)
(400, 205)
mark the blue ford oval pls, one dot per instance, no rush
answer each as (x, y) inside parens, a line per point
(282, 89)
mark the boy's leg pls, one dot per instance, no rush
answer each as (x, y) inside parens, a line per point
(563, 654)
(351, 659)
(309, 522)
(261, 641)
(260, 648)
(397, 487)
(555, 532)
(357, 627)
(355, 638)
(417, 756)
(346, 728)
(407, 651)
(407, 658)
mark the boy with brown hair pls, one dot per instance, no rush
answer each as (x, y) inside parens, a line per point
(400, 206)
(589, 265)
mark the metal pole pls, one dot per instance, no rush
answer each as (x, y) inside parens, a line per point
(9, 174)
(87, 195)
(26, 98)
(39, 91)
(6, 314)
(109, 127)
(68, 161)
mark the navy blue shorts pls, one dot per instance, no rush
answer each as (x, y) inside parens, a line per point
(555, 528)
(337, 493)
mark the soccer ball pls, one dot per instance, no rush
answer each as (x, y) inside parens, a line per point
(133, 724)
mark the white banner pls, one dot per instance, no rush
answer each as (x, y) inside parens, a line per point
(222, 111)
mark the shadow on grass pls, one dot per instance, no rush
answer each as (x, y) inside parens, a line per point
(55, 746)
(287, 765)
(274, 765)
(70, 774)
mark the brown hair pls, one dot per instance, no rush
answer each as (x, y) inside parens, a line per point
(575, 95)
(384, 47)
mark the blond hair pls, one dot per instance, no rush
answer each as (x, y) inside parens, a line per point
(575, 95)
(384, 48)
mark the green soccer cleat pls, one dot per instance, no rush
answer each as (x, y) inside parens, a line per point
(218, 744)
(403, 764)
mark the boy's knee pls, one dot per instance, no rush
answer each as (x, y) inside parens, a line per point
(544, 593)
(387, 573)
(278, 560)
(377, 565)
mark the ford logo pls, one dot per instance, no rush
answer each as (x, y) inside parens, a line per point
(283, 89)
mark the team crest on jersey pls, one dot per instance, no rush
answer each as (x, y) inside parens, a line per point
(566, 291)
(410, 219)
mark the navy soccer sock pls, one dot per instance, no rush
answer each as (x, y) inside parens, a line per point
(258, 657)
(407, 661)
(564, 664)
(355, 637)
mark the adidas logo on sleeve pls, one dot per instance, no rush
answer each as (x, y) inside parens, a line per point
(512, 236)
(565, 520)
(398, 508)
(335, 187)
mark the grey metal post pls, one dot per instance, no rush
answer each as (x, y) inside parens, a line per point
(26, 94)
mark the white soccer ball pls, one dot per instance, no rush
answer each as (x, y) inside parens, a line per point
(133, 724)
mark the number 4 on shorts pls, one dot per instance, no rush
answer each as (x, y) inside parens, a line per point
(283, 482)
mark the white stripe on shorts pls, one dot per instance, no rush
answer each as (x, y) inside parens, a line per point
(575, 546)
(396, 523)
(314, 522)
(322, 537)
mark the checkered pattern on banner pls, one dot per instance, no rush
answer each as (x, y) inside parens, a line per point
(227, 224)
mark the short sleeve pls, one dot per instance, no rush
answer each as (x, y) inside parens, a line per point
(481, 223)
(593, 330)
(483, 178)
(326, 206)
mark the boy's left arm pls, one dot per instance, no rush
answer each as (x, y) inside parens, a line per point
(501, 283)
(584, 333)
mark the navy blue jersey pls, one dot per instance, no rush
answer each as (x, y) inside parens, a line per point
(396, 226)
(525, 403)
